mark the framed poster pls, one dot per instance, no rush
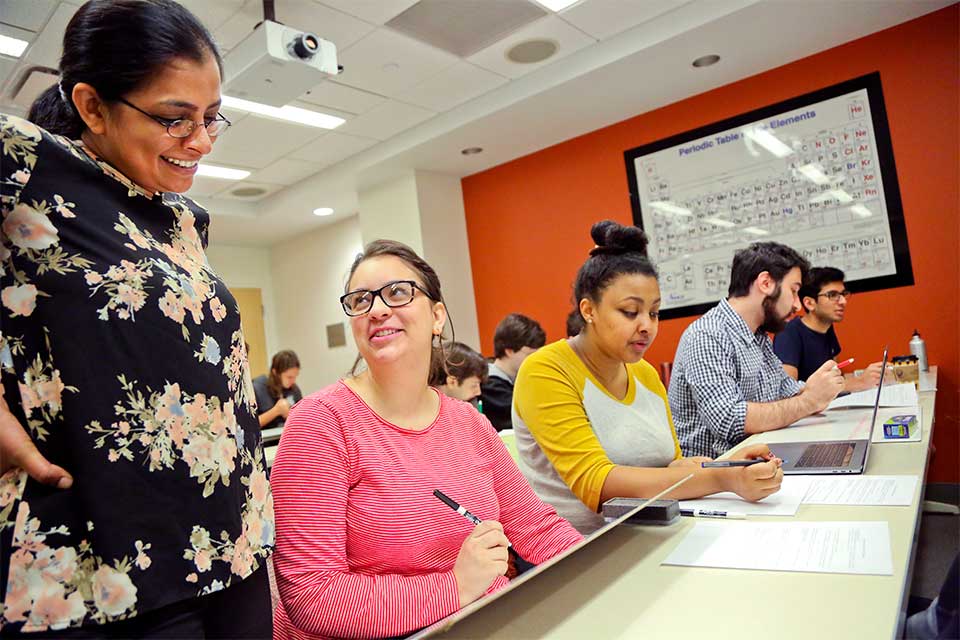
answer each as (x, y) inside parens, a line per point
(815, 172)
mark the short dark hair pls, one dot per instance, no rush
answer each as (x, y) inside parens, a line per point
(462, 363)
(515, 332)
(574, 322)
(774, 258)
(117, 46)
(815, 280)
(619, 250)
(430, 282)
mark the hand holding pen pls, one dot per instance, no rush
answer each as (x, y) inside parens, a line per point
(485, 554)
(754, 475)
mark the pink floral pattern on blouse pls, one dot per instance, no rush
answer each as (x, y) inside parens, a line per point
(121, 354)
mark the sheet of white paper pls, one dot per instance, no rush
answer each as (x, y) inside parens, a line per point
(862, 490)
(783, 503)
(894, 395)
(818, 547)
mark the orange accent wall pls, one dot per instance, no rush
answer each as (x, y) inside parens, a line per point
(528, 220)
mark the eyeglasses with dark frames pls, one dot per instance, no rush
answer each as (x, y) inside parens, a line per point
(184, 127)
(833, 296)
(394, 294)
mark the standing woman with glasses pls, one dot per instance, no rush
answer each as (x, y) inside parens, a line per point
(133, 498)
(364, 548)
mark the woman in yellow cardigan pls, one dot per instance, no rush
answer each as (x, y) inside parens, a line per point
(591, 416)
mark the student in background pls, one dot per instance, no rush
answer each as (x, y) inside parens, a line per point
(592, 420)
(465, 370)
(122, 352)
(277, 391)
(809, 341)
(574, 322)
(364, 549)
(515, 338)
(727, 382)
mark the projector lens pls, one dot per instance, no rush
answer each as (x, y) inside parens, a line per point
(305, 45)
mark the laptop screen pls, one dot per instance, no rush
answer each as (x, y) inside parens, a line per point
(876, 408)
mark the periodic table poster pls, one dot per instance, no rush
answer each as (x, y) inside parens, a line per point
(815, 172)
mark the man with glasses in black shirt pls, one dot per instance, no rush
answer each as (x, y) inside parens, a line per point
(809, 341)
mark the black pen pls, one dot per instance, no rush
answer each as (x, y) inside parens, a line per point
(521, 564)
(723, 464)
(450, 502)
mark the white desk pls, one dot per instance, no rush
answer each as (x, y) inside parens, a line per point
(616, 587)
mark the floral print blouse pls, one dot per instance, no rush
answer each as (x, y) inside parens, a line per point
(121, 355)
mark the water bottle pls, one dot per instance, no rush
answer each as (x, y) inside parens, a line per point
(919, 348)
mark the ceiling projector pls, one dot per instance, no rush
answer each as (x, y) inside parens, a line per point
(275, 64)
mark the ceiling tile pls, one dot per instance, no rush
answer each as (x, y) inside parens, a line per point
(26, 14)
(340, 96)
(332, 148)
(228, 193)
(285, 171)
(452, 86)
(373, 11)
(45, 49)
(387, 63)
(256, 142)
(604, 18)
(32, 86)
(204, 186)
(568, 39)
(213, 13)
(306, 15)
(386, 120)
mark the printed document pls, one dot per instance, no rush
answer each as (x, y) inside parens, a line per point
(860, 490)
(895, 395)
(817, 547)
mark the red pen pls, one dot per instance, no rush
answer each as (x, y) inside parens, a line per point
(845, 363)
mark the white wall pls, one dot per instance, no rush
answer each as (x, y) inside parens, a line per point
(443, 226)
(249, 267)
(391, 210)
(308, 275)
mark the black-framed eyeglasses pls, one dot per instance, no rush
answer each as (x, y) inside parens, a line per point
(398, 293)
(183, 127)
(833, 296)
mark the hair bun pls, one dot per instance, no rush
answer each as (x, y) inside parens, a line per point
(613, 238)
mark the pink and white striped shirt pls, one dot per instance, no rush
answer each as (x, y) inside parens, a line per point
(364, 549)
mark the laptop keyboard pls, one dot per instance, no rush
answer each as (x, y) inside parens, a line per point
(825, 455)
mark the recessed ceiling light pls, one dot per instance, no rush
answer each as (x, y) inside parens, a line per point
(323, 211)
(532, 51)
(248, 192)
(12, 46)
(288, 113)
(213, 171)
(556, 5)
(470, 151)
(391, 67)
(706, 61)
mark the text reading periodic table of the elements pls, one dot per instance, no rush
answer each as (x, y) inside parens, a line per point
(808, 176)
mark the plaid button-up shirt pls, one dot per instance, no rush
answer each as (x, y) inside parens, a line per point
(719, 367)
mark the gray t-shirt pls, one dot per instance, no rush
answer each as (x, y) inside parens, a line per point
(265, 401)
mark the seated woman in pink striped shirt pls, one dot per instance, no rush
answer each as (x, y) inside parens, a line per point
(364, 549)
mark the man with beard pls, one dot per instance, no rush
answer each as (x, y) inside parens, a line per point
(808, 342)
(727, 383)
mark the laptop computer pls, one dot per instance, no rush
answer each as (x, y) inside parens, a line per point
(832, 456)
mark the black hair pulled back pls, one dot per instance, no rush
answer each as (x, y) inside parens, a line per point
(117, 46)
(619, 250)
